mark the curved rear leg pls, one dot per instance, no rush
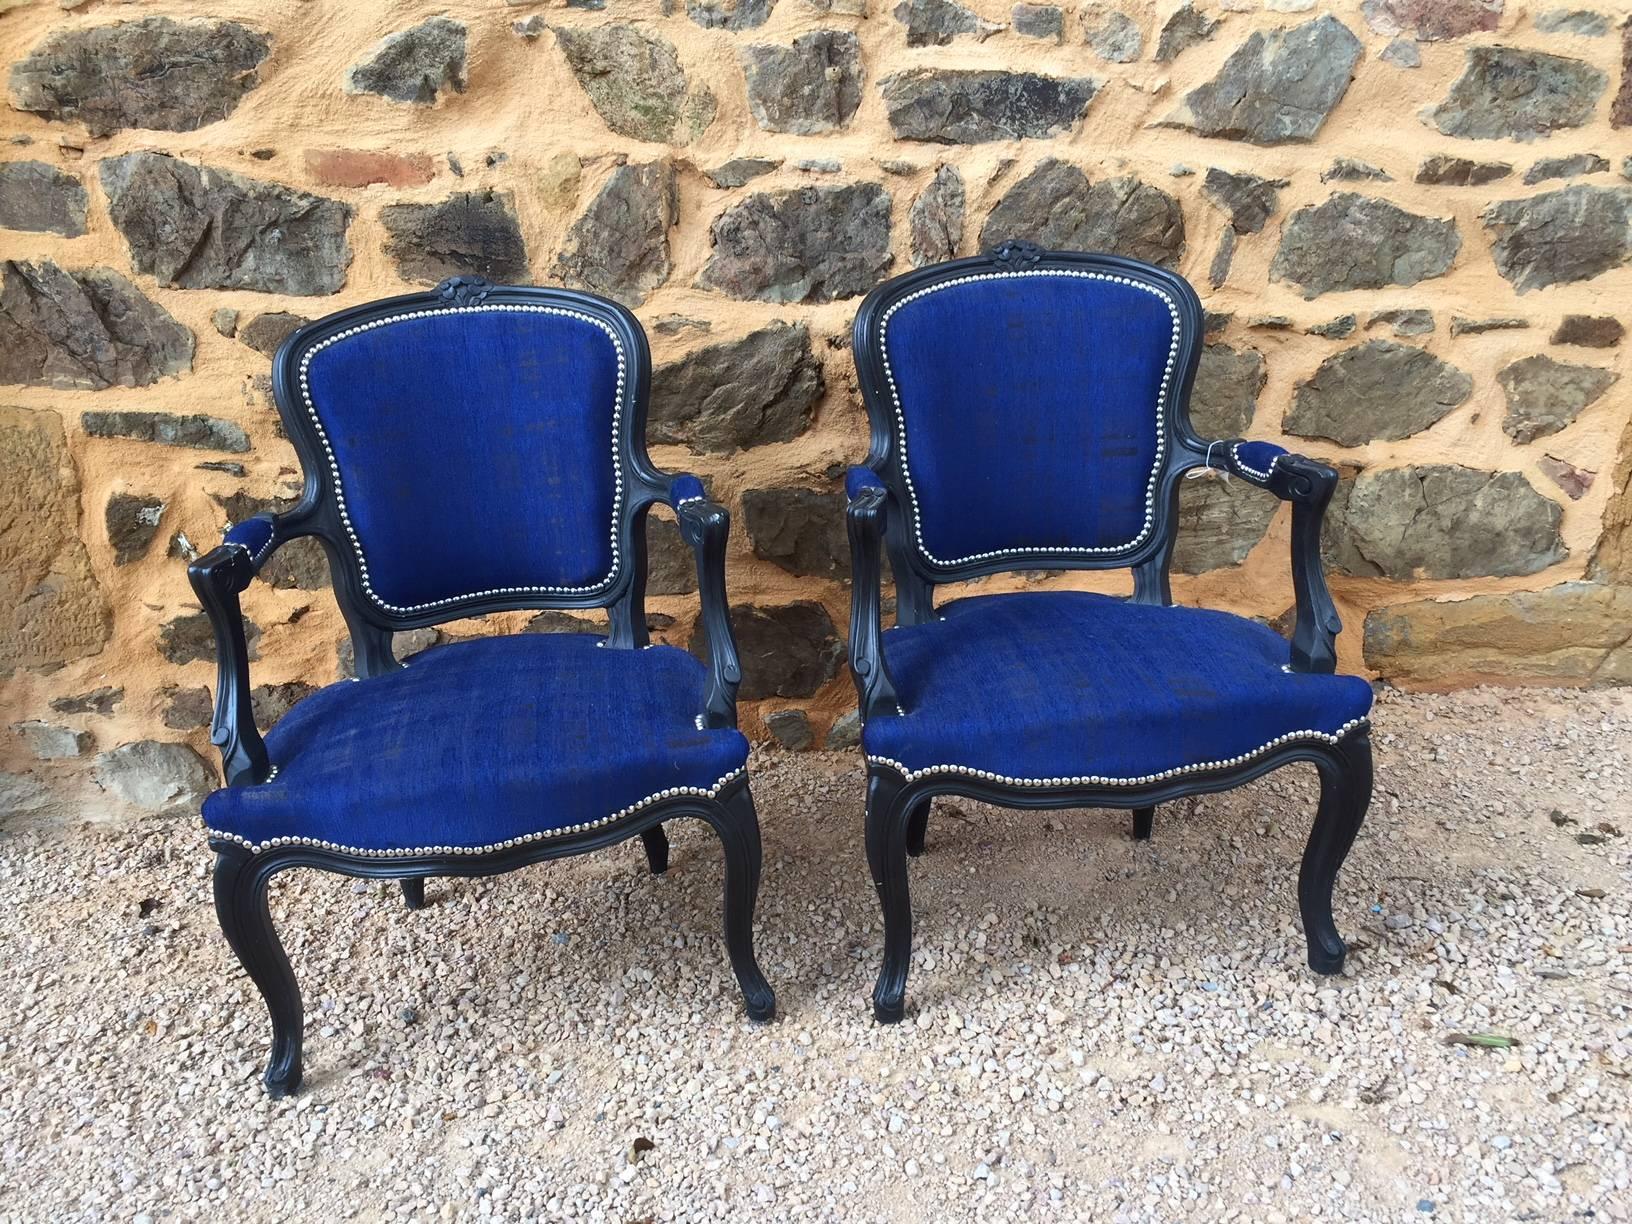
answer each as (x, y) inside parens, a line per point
(240, 904)
(887, 822)
(738, 827)
(657, 849)
(413, 892)
(917, 826)
(1345, 793)
(1144, 820)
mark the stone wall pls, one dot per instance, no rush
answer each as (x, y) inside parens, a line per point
(1411, 220)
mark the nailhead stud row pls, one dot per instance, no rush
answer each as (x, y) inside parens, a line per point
(912, 775)
(1235, 453)
(339, 490)
(673, 792)
(1161, 413)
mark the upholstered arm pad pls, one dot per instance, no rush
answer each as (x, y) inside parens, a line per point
(866, 520)
(706, 526)
(1309, 486)
(218, 578)
(257, 537)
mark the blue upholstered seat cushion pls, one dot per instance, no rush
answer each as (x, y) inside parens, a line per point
(1069, 684)
(476, 743)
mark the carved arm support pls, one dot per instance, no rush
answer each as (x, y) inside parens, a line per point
(705, 526)
(865, 519)
(218, 578)
(1309, 486)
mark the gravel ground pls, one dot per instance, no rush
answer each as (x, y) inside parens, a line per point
(1097, 1029)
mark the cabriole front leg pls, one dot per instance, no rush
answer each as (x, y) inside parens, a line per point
(1345, 793)
(241, 906)
(889, 805)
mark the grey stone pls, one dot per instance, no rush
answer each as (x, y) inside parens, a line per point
(810, 87)
(174, 76)
(730, 14)
(1377, 390)
(132, 521)
(1576, 482)
(934, 23)
(84, 329)
(800, 530)
(1248, 201)
(404, 646)
(552, 621)
(1403, 322)
(1225, 395)
(1477, 327)
(189, 708)
(635, 82)
(671, 566)
(101, 701)
(1112, 34)
(1571, 234)
(1505, 93)
(1219, 270)
(807, 244)
(740, 170)
(1545, 396)
(1359, 242)
(1444, 170)
(186, 709)
(971, 106)
(1402, 53)
(469, 232)
(1335, 329)
(1565, 167)
(620, 246)
(1055, 207)
(1352, 170)
(1588, 331)
(1581, 22)
(726, 397)
(225, 321)
(413, 65)
(790, 729)
(265, 332)
(935, 224)
(21, 795)
(298, 565)
(39, 197)
(787, 651)
(1045, 21)
(1432, 20)
(674, 324)
(196, 227)
(1185, 28)
(530, 28)
(1219, 523)
(820, 165)
(188, 638)
(1275, 88)
(49, 742)
(197, 432)
(1447, 521)
(844, 733)
(155, 776)
(1620, 108)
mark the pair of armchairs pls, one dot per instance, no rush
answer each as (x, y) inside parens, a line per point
(480, 448)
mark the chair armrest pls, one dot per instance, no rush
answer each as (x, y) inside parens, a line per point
(865, 520)
(706, 526)
(218, 578)
(1309, 486)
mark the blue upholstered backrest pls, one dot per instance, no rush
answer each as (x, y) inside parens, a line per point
(474, 451)
(1031, 412)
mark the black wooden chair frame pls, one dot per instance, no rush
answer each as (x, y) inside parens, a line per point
(242, 873)
(899, 801)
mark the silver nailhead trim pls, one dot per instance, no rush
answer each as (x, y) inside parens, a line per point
(255, 558)
(1161, 414)
(672, 792)
(339, 489)
(912, 775)
(1235, 453)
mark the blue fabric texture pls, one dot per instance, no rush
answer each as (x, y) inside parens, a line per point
(253, 535)
(1031, 405)
(476, 743)
(1071, 684)
(858, 478)
(475, 450)
(683, 488)
(1259, 455)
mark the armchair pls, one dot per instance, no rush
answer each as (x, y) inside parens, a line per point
(1029, 410)
(471, 450)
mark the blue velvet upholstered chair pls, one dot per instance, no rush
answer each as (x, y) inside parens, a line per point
(1029, 410)
(471, 450)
